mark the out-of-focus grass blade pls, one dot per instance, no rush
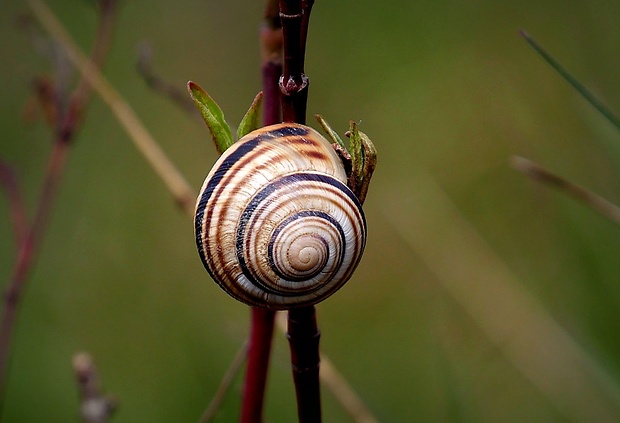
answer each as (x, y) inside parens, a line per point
(589, 198)
(585, 92)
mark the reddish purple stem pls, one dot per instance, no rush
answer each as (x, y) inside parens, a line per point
(271, 93)
(262, 323)
(9, 181)
(259, 350)
(26, 253)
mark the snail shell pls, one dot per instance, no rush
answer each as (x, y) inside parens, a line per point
(276, 225)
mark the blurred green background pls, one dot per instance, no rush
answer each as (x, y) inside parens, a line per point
(449, 92)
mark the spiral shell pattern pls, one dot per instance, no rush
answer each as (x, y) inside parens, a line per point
(276, 225)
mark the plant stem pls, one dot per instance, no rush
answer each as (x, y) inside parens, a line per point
(305, 22)
(263, 321)
(225, 384)
(26, 253)
(259, 350)
(587, 197)
(303, 333)
(293, 83)
(271, 71)
(303, 336)
(335, 382)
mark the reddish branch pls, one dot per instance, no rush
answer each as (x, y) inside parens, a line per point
(68, 122)
(271, 69)
(9, 182)
(262, 323)
(259, 350)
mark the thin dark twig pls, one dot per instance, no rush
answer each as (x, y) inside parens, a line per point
(177, 94)
(590, 199)
(293, 83)
(305, 23)
(291, 14)
(225, 385)
(303, 335)
(335, 382)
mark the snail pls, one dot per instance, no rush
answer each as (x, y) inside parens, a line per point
(276, 225)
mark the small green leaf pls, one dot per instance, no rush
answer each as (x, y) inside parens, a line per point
(333, 135)
(364, 161)
(250, 121)
(213, 117)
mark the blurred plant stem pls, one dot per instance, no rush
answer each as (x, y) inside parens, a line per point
(10, 185)
(29, 236)
(211, 411)
(163, 167)
(539, 173)
(587, 197)
(175, 182)
(160, 85)
(95, 406)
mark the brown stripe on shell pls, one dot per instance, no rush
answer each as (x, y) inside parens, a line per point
(316, 155)
(247, 167)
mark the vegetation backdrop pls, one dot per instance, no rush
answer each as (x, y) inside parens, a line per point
(449, 92)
